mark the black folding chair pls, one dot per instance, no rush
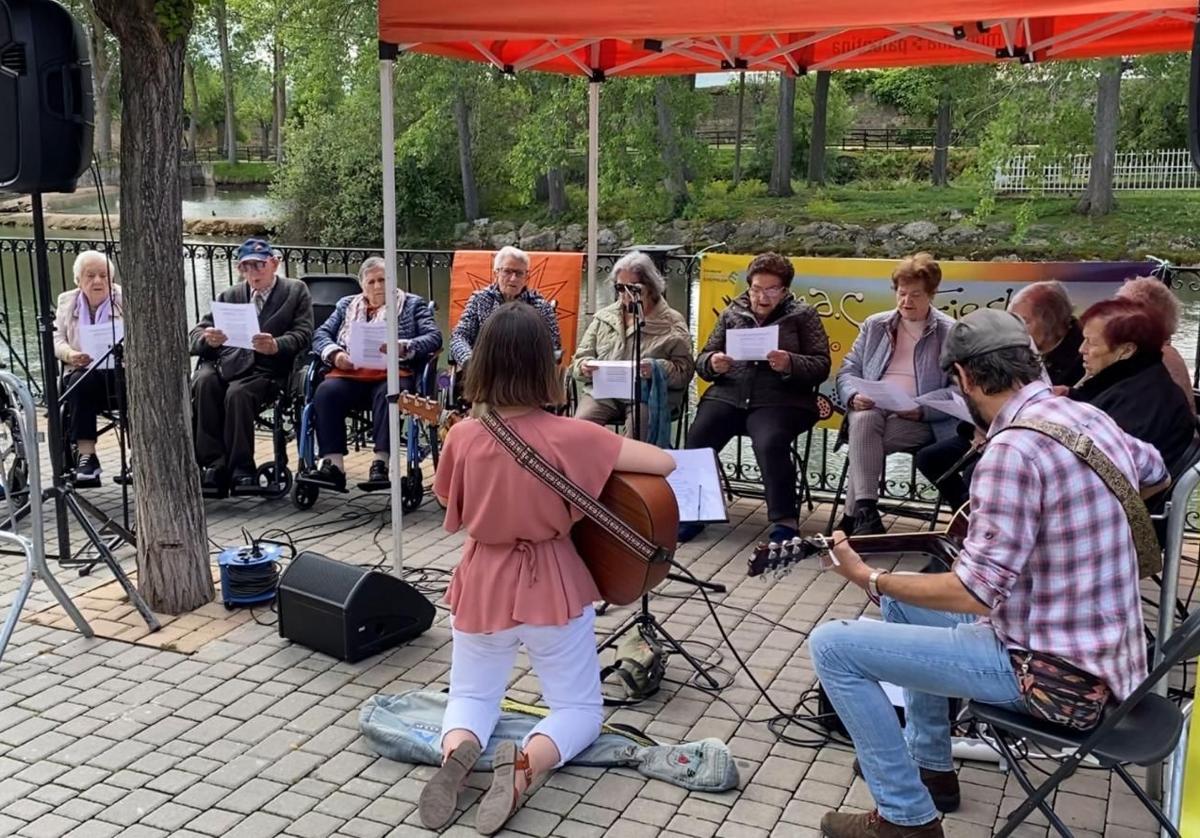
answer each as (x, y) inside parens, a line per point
(1142, 730)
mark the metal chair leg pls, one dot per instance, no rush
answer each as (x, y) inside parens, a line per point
(1036, 798)
(837, 498)
(1150, 805)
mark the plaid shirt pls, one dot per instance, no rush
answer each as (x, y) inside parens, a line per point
(479, 308)
(1049, 549)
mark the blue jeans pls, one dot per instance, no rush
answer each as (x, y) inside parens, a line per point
(933, 655)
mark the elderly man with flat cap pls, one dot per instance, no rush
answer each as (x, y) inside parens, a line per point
(232, 385)
(1048, 549)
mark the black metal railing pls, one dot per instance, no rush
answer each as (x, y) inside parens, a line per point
(245, 154)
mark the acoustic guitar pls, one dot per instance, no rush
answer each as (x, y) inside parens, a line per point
(781, 559)
(645, 502)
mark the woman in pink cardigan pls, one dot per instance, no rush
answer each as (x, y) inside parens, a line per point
(96, 300)
(520, 581)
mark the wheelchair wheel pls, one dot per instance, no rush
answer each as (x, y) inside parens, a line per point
(304, 494)
(275, 480)
(412, 490)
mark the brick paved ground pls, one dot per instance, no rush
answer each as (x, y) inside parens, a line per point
(252, 737)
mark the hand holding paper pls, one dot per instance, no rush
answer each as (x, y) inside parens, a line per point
(368, 345)
(238, 321)
(885, 395)
(751, 344)
(96, 341)
(612, 379)
(947, 402)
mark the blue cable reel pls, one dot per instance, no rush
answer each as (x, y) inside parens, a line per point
(249, 575)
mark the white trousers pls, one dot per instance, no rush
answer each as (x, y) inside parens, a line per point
(565, 661)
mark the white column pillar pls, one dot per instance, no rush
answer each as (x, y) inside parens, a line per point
(388, 134)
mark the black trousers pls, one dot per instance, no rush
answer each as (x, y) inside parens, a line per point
(336, 397)
(225, 413)
(95, 392)
(772, 430)
(935, 459)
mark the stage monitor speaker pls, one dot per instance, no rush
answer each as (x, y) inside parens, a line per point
(46, 105)
(346, 611)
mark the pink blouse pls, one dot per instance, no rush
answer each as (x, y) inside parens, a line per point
(519, 564)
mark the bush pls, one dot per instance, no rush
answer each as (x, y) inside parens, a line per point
(243, 173)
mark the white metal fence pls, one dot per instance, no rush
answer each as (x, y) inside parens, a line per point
(1170, 169)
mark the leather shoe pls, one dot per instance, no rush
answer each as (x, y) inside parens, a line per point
(212, 478)
(873, 825)
(243, 479)
(867, 520)
(942, 786)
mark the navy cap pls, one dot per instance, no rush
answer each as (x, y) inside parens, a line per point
(255, 250)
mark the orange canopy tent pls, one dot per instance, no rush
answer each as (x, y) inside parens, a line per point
(601, 39)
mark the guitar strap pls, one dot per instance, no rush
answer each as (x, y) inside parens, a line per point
(1149, 552)
(533, 462)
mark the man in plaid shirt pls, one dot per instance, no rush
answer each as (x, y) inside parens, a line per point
(1048, 565)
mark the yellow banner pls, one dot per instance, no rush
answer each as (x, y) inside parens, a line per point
(845, 292)
(1189, 821)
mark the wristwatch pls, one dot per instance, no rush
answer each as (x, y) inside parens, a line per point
(873, 585)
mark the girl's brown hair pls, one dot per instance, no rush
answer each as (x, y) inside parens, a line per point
(512, 364)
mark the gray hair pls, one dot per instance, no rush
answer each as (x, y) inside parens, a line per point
(1050, 304)
(507, 252)
(88, 256)
(643, 267)
(371, 263)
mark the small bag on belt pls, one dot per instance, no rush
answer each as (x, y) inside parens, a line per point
(1058, 691)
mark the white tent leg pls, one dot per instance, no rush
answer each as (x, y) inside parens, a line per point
(388, 134)
(593, 177)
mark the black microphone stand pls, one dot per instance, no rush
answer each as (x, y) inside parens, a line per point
(67, 499)
(636, 309)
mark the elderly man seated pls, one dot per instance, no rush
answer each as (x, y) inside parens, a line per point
(1057, 335)
(510, 271)
(900, 347)
(232, 385)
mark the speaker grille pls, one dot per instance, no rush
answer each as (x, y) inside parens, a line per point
(322, 577)
(12, 59)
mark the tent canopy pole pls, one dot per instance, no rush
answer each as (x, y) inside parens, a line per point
(387, 67)
(593, 180)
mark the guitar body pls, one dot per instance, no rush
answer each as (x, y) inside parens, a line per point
(647, 504)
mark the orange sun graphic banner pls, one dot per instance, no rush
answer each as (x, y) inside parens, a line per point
(556, 276)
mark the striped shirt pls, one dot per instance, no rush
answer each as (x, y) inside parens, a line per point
(1049, 549)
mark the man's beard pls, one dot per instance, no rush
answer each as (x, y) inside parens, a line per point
(980, 422)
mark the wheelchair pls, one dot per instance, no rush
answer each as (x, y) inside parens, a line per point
(273, 479)
(419, 439)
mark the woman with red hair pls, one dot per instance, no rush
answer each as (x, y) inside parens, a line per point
(1123, 358)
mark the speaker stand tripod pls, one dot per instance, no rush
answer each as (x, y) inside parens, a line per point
(67, 499)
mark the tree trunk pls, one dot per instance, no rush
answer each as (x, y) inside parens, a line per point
(674, 177)
(816, 147)
(462, 122)
(556, 188)
(280, 100)
(219, 12)
(941, 143)
(737, 131)
(1098, 199)
(781, 168)
(102, 71)
(172, 553)
(194, 100)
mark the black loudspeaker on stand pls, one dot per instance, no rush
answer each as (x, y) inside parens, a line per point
(46, 114)
(346, 611)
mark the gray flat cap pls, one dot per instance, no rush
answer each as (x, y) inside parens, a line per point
(983, 330)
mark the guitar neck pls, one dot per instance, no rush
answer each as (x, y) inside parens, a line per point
(933, 543)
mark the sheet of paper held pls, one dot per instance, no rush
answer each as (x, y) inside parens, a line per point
(697, 485)
(887, 396)
(948, 402)
(368, 345)
(612, 379)
(751, 344)
(239, 322)
(96, 339)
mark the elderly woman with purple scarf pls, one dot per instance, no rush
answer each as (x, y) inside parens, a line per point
(347, 387)
(95, 300)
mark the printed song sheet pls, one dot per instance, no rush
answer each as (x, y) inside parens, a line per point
(948, 402)
(612, 379)
(239, 322)
(697, 486)
(751, 344)
(887, 396)
(96, 340)
(368, 345)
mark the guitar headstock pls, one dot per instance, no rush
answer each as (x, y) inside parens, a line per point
(780, 558)
(427, 410)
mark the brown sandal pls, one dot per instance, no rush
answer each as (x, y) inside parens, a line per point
(439, 798)
(501, 801)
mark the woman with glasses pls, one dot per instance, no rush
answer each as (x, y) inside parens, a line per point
(772, 401)
(901, 347)
(666, 347)
(510, 272)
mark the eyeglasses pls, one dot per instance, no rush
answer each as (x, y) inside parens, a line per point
(628, 288)
(515, 273)
(252, 265)
(773, 291)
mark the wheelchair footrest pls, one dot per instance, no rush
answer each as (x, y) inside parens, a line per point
(86, 483)
(311, 480)
(214, 493)
(375, 485)
(272, 490)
